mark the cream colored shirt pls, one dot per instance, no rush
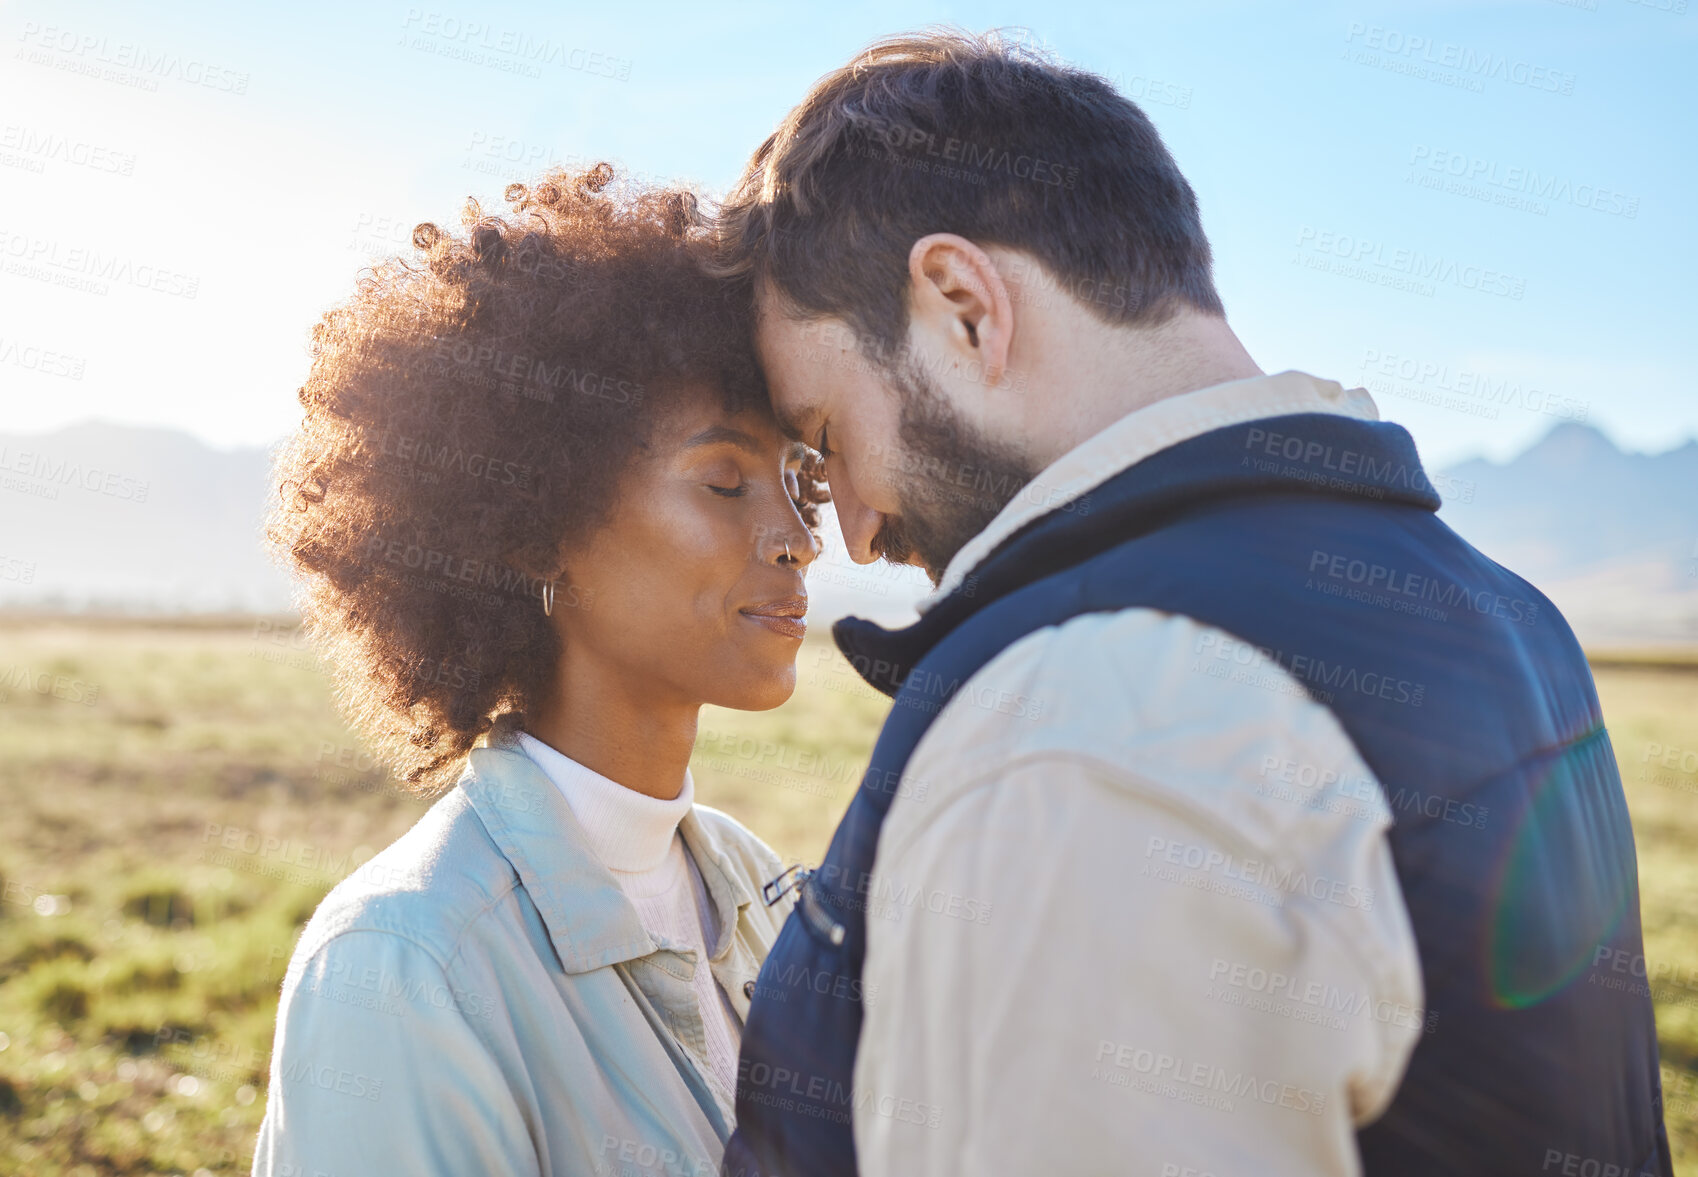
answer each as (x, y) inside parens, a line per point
(1096, 958)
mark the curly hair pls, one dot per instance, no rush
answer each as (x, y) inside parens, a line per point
(467, 415)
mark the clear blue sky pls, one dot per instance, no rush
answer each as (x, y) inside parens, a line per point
(270, 148)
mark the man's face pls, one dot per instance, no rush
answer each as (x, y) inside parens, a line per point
(910, 480)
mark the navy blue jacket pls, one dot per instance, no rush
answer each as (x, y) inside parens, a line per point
(1530, 1057)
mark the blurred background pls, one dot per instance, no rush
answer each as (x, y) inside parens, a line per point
(1479, 211)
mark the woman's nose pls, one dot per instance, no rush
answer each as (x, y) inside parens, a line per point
(794, 546)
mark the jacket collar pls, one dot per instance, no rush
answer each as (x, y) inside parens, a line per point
(590, 921)
(726, 886)
(1147, 431)
(1319, 454)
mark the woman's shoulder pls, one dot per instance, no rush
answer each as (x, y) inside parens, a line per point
(427, 886)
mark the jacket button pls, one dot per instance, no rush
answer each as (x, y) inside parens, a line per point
(749, 990)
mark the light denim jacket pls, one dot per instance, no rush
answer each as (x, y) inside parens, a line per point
(480, 998)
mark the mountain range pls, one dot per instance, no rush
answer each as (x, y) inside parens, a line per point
(1610, 537)
(132, 519)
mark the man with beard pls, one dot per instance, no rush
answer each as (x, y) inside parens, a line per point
(1233, 815)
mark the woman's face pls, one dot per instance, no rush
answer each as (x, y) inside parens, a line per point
(686, 596)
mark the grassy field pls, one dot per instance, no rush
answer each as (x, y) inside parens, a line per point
(177, 800)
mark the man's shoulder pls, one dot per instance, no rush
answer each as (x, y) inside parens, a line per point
(426, 887)
(1126, 701)
(1090, 683)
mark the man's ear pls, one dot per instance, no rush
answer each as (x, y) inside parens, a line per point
(958, 289)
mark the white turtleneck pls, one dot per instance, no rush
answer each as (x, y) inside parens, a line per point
(636, 838)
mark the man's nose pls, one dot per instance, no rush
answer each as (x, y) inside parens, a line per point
(858, 522)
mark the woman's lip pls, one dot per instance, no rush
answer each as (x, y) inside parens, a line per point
(784, 607)
(789, 627)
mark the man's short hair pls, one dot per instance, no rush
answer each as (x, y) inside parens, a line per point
(980, 135)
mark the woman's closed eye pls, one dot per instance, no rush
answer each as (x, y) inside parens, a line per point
(724, 477)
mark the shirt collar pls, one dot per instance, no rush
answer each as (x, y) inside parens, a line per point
(629, 831)
(1146, 431)
(727, 889)
(590, 921)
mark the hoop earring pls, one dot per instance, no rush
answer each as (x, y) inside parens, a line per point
(548, 599)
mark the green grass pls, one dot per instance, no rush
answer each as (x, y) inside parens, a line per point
(178, 799)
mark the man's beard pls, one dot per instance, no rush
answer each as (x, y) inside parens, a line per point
(950, 479)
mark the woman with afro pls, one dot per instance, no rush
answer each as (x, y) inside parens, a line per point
(540, 513)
